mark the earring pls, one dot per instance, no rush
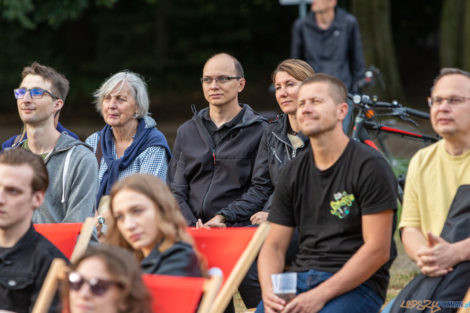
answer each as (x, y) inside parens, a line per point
(135, 115)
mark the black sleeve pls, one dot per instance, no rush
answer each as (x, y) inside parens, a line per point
(297, 43)
(377, 186)
(255, 198)
(180, 261)
(178, 183)
(356, 57)
(282, 206)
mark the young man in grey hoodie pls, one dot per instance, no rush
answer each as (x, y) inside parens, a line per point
(72, 166)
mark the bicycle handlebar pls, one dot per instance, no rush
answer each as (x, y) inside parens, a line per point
(417, 113)
(394, 105)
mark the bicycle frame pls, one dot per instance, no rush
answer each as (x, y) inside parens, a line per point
(363, 124)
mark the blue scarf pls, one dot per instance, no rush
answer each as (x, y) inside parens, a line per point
(144, 138)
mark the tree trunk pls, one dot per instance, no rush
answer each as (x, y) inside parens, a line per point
(379, 49)
(454, 33)
(161, 43)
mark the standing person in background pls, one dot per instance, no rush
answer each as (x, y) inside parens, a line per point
(25, 255)
(129, 143)
(281, 142)
(328, 38)
(72, 168)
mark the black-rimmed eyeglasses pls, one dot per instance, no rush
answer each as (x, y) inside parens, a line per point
(35, 93)
(219, 79)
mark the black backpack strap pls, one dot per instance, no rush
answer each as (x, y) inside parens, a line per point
(99, 153)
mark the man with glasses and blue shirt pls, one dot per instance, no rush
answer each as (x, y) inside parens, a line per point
(435, 220)
(71, 164)
(214, 152)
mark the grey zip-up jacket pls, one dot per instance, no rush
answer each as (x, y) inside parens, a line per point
(205, 177)
(73, 183)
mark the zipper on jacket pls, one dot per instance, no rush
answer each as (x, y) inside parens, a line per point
(213, 156)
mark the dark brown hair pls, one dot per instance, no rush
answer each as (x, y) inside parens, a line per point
(124, 269)
(20, 156)
(172, 225)
(60, 84)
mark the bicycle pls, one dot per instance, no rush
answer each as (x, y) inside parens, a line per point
(367, 120)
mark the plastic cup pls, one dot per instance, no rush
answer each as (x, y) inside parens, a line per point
(285, 285)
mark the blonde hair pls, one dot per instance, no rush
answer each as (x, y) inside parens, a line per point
(296, 68)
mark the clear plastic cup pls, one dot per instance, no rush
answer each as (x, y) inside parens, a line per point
(285, 285)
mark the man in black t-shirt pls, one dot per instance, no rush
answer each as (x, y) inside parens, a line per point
(341, 195)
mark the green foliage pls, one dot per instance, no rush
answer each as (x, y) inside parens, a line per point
(54, 12)
(167, 41)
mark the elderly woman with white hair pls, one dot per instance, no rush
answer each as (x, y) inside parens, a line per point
(129, 143)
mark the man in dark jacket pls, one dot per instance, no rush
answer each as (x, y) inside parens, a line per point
(328, 38)
(25, 255)
(214, 152)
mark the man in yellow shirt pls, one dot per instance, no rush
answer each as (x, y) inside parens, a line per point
(435, 174)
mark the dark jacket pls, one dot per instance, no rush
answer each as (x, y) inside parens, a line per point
(178, 260)
(205, 177)
(23, 269)
(275, 150)
(336, 51)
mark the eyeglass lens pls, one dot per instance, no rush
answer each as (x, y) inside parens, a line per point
(97, 286)
(34, 93)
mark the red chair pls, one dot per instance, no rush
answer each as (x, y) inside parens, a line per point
(172, 294)
(232, 250)
(64, 236)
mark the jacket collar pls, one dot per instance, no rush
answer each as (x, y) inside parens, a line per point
(28, 239)
(280, 131)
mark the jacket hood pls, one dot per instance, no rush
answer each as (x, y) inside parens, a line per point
(66, 142)
(149, 122)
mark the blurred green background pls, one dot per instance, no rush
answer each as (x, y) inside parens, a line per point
(167, 41)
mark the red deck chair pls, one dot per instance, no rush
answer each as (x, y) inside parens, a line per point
(64, 236)
(171, 294)
(232, 250)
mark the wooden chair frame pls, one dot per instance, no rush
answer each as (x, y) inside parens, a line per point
(230, 286)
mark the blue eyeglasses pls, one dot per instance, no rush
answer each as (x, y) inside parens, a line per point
(35, 93)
